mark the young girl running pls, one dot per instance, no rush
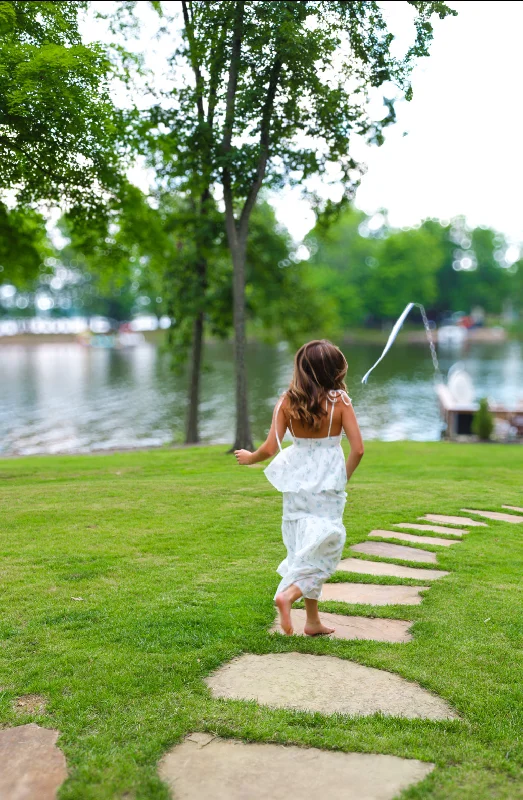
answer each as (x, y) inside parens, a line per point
(311, 474)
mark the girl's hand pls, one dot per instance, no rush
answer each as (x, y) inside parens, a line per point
(243, 457)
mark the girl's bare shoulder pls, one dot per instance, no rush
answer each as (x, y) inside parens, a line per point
(282, 401)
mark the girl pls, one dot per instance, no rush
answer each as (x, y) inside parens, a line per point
(311, 474)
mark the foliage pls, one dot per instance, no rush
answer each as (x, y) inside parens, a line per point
(365, 274)
(150, 244)
(23, 245)
(360, 270)
(406, 270)
(483, 421)
(473, 270)
(59, 131)
(302, 77)
(173, 554)
(340, 266)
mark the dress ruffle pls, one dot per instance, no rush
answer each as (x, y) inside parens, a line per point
(309, 465)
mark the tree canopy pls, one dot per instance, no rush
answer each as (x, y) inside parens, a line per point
(59, 129)
(278, 93)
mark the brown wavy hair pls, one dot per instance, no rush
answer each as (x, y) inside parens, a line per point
(319, 366)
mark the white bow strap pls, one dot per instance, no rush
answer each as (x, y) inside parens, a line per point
(394, 332)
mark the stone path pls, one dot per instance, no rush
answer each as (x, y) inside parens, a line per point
(326, 684)
(32, 766)
(430, 528)
(362, 567)
(394, 551)
(408, 537)
(203, 767)
(513, 508)
(449, 520)
(345, 627)
(373, 594)
(495, 515)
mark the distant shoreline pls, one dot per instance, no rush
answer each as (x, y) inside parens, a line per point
(359, 336)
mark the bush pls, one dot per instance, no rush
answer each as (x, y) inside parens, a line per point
(483, 421)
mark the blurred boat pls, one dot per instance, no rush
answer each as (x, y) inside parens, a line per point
(452, 335)
(111, 341)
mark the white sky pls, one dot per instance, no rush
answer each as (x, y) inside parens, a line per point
(456, 148)
(463, 150)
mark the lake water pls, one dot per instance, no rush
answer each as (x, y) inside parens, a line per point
(59, 398)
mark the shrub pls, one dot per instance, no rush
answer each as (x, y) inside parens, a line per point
(483, 421)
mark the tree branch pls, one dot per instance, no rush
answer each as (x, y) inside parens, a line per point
(194, 61)
(268, 110)
(234, 70)
(232, 85)
(216, 60)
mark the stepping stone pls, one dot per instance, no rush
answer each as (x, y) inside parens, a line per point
(394, 551)
(429, 528)
(373, 594)
(345, 627)
(33, 767)
(325, 684)
(203, 766)
(497, 515)
(454, 520)
(513, 508)
(361, 567)
(408, 537)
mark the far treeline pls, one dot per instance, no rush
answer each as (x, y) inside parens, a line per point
(357, 272)
(367, 272)
(255, 95)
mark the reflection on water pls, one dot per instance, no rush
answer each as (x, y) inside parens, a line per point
(57, 398)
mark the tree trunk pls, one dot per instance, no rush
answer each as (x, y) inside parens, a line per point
(193, 411)
(192, 430)
(243, 439)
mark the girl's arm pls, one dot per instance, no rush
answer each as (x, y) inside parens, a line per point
(270, 445)
(352, 431)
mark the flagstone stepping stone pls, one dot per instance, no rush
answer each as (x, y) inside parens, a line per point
(373, 594)
(429, 528)
(325, 684)
(32, 766)
(361, 567)
(450, 520)
(496, 515)
(513, 508)
(394, 551)
(349, 627)
(204, 766)
(408, 537)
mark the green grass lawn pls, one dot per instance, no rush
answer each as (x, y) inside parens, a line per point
(173, 554)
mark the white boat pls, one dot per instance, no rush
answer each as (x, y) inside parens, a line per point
(452, 335)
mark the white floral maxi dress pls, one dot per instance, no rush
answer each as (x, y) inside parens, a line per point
(311, 475)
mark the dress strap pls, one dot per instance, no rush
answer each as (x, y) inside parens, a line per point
(276, 423)
(330, 421)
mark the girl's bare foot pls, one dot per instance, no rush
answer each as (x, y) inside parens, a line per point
(317, 629)
(284, 604)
